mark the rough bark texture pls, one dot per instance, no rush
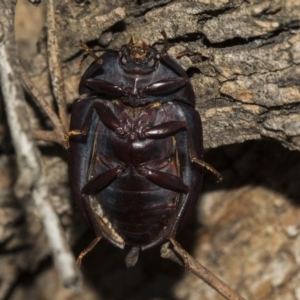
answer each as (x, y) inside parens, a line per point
(243, 60)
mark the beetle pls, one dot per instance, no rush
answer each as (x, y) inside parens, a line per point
(135, 147)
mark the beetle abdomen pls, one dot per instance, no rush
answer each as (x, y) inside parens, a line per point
(138, 216)
(137, 208)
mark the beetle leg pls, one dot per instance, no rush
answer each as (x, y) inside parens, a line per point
(165, 129)
(207, 166)
(171, 229)
(87, 250)
(105, 87)
(171, 127)
(82, 131)
(165, 180)
(164, 86)
(67, 136)
(199, 161)
(86, 124)
(101, 180)
(107, 117)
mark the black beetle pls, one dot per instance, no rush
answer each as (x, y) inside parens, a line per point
(135, 147)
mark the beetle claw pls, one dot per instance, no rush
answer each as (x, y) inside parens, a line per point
(67, 136)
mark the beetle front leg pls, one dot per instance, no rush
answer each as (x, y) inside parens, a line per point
(102, 180)
(164, 86)
(165, 180)
(105, 87)
(105, 115)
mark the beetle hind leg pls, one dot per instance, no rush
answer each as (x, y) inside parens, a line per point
(164, 86)
(165, 180)
(208, 167)
(90, 247)
(100, 181)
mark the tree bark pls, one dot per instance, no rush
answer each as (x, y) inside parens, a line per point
(243, 59)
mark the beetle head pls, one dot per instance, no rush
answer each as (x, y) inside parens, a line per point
(138, 58)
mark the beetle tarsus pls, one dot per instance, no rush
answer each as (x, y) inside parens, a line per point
(67, 136)
(207, 166)
(87, 250)
(105, 87)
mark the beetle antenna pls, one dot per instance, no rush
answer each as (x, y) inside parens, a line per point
(166, 43)
(90, 52)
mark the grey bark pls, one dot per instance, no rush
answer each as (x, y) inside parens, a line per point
(243, 60)
(31, 180)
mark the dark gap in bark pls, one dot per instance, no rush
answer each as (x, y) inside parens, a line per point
(191, 71)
